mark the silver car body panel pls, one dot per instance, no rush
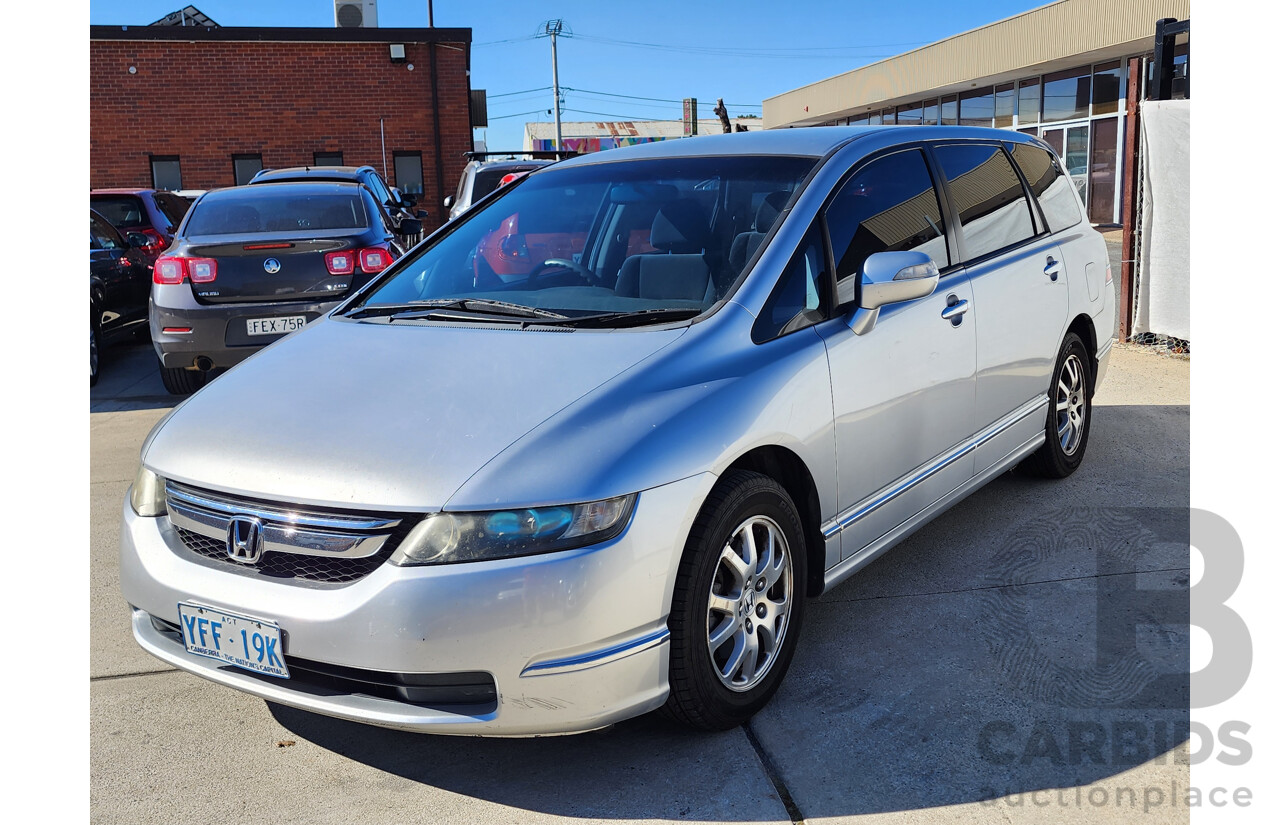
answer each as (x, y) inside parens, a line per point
(892, 426)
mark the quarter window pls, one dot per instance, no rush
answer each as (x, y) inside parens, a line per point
(799, 299)
(1050, 187)
(987, 194)
(889, 206)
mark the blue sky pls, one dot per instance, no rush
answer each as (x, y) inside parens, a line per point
(743, 51)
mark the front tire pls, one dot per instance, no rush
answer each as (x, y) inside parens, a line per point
(180, 381)
(1070, 413)
(738, 603)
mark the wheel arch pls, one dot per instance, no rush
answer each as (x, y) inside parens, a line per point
(789, 470)
(1082, 325)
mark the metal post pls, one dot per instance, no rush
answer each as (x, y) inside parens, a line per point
(1129, 198)
(383, 130)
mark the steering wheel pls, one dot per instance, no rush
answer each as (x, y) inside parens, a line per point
(588, 277)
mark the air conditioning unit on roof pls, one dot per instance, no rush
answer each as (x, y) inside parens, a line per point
(355, 14)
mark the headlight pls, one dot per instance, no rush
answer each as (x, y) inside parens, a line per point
(446, 538)
(147, 494)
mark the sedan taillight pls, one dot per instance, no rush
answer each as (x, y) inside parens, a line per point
(175, 270)
(340, 263)
(374, 259)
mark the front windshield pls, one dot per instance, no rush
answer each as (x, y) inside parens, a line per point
(621, 237)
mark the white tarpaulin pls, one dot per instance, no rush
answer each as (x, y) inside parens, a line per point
(1163, 303)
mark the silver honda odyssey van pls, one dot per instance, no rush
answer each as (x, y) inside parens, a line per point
(586, 452)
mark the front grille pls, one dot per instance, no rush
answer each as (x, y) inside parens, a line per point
(315, 547)
(476, 692)
(289, 565)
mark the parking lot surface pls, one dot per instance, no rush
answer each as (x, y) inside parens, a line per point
(999, 666)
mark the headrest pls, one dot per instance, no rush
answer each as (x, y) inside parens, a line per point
(680, 226)
(769, 210)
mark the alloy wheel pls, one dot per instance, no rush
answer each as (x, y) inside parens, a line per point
(749, 606)
(1072, 408)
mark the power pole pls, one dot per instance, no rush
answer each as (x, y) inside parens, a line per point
(553, 28)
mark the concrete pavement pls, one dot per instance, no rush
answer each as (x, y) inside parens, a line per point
(1001, 665)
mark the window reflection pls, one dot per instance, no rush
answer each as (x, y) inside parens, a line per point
(977, 107)
(1029, 101)
(1066, 95)
(1004, 105)
(950, 111)
(994, 212)
(1108, 87)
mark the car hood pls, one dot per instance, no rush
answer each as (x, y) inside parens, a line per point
(385, 417)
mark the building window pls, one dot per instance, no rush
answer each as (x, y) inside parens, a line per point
(912, 115)
(931, 112)
(873, 120)
(328, 159)
(950, 111)
(1029, 101)
(889, 117)
(977, 108)
(409, 172)
(1004, 106)
(1109, 80)
(1066, 95)
(244, 167)
(166, 172)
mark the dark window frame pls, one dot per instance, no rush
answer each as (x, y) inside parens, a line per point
(235, 158)
(315, 158)
(422, 177)
(151, 162)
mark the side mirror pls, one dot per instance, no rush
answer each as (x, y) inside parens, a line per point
(888, 278)
(402, 199)
(448, 201)
(409, 226)
(137, 240)
(421, 214)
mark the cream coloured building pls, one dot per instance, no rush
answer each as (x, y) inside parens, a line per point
(1061, 71)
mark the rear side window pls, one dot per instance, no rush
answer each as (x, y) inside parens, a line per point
(890, 205)
(124, 211)
(104, 236)
(1050, 186)
(994, 212)
(173, 207)
(250, 210)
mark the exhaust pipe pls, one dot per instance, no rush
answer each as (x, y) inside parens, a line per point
(204, 363)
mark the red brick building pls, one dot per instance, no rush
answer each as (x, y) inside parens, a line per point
(200, 108)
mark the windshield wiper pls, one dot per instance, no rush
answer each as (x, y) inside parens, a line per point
(483, 307)
(631, 319)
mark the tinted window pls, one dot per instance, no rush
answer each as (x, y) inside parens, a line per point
(409, 172)
(166, 172)
(977, 107)
(125, 211)
(328, 159)
(1066, 95)
(105, 236)
(802, 288)
(1050, 187)
(256, 209)
(888, 206)
(380, 191)
(1029, 101)
(173, 207)
(985, 190)
(245, 167)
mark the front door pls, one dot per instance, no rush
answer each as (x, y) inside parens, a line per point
(903, 393)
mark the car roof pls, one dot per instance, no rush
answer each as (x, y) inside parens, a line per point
(811, 141)
(507, 164)
(302, 186)
(320, 172)
(93, 192)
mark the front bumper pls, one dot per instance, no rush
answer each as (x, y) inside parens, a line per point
(216, 330)
(574, 641)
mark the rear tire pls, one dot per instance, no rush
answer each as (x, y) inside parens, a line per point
(738, 603)
(180, 381)
(1070, 414)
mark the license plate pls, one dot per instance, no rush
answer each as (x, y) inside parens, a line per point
(276, 326)
(252, 644)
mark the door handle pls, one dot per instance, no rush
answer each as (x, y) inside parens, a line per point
(1052, 268)
(955, 310)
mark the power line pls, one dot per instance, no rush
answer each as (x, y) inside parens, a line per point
(525, 92)
(656, 99)
(832, 53)
(519, 114)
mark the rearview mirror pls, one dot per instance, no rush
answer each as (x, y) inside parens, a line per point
(888, 278)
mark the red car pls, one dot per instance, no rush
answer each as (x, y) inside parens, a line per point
(147, 212)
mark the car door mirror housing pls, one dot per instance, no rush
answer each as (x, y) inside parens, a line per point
(410, 226)
(137, 240)
(888, 278)
(448, 201)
